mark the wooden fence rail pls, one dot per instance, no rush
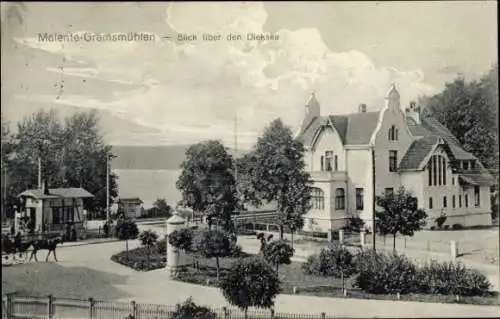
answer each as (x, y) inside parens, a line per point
(17, 306)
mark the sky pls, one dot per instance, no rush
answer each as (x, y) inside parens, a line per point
(181, 92)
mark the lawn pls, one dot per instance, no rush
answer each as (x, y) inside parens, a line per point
(43, 279)
(137, 258)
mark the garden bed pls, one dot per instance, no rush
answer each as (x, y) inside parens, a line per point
(137, 259)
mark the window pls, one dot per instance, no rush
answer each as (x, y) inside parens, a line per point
(445, 202)
(393, 133)
(430, 202)
(393, 161)
(434, 175)
(440, 170)
(459, 200)
(322, 163)
(477, 197)
(359, 198)
(466, 200)
(317, 198)
(429, 172)
(444, 171)
(389, 191)
(453, 181)
(339, 199)
(472, 164)
(453, 201)
(336, 163)
(465, 165)
(328, 161)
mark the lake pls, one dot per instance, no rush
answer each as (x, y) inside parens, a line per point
(149, 185)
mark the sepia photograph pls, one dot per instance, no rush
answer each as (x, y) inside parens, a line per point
(192, 160)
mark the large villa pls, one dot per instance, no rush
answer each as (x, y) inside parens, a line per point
(354, 157)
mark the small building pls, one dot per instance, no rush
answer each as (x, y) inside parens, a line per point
(132, 207)
(50, 209)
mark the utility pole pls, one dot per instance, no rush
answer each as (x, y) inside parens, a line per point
(374, 229)
(236, 149)
(39, 172)
(107, 187)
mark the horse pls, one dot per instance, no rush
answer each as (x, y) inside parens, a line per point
(45, 244)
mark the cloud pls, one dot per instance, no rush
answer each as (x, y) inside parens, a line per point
(192, 91)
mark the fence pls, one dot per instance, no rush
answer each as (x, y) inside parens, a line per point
(17, 306)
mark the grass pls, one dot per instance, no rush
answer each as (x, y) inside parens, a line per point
(43, 279)
(137, 259)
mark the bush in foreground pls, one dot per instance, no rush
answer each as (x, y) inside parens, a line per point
(335, 261)
(452, 278)
(137, 259)
(188, 309)
(213, 244)
(382, 273)
(250, 282)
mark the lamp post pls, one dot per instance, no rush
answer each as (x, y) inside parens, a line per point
(107, 187)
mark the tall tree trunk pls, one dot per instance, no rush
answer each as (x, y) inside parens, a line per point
(394, 242)
(217, 265)
(281, 232)
(126, 249)
(246, 313)
(277, 267)
(292, 239)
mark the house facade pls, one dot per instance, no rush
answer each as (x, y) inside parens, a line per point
(354, 157)
(132, 207)
(51, 209)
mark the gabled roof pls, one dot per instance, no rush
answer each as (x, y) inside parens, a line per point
(417, 152)
(477, 178)
(354, 129)
(429, 126)
(75, 192)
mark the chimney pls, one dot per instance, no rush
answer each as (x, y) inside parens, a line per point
(45, 188)
(362, 108)
(413, 112)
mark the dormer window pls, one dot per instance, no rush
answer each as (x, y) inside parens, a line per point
(393, 133)
(329, 161)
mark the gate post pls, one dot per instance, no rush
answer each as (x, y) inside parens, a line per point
(91, 308)
(10, 305)
(50, 307)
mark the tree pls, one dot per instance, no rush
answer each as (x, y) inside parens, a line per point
(162, 207)
(354, 224)
(188, 309)
(181, 239)
(207, 181)
(148, 238)
(399, 214)
(264, 240)
(278, 252)
(250, 282)
(213, 244)
(72, 154)
(470, 111)
(278, 175)
(126, 229)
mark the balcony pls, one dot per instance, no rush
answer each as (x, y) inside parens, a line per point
(323, 176)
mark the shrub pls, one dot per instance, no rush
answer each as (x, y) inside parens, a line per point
(457, 226)
(181, 239)
(433, 228)
(354, 224)
(335, 261)
(452, 278)
(440, 221)
(382, 273)
(278, 252)
(446, 226)
(189, 309)
(250, 282)
(127, 229)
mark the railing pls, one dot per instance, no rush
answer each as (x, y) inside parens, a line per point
(17, 306)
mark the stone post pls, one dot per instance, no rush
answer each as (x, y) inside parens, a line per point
(454, 250)
(341, 236)
(172, 224)
(330, 236)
